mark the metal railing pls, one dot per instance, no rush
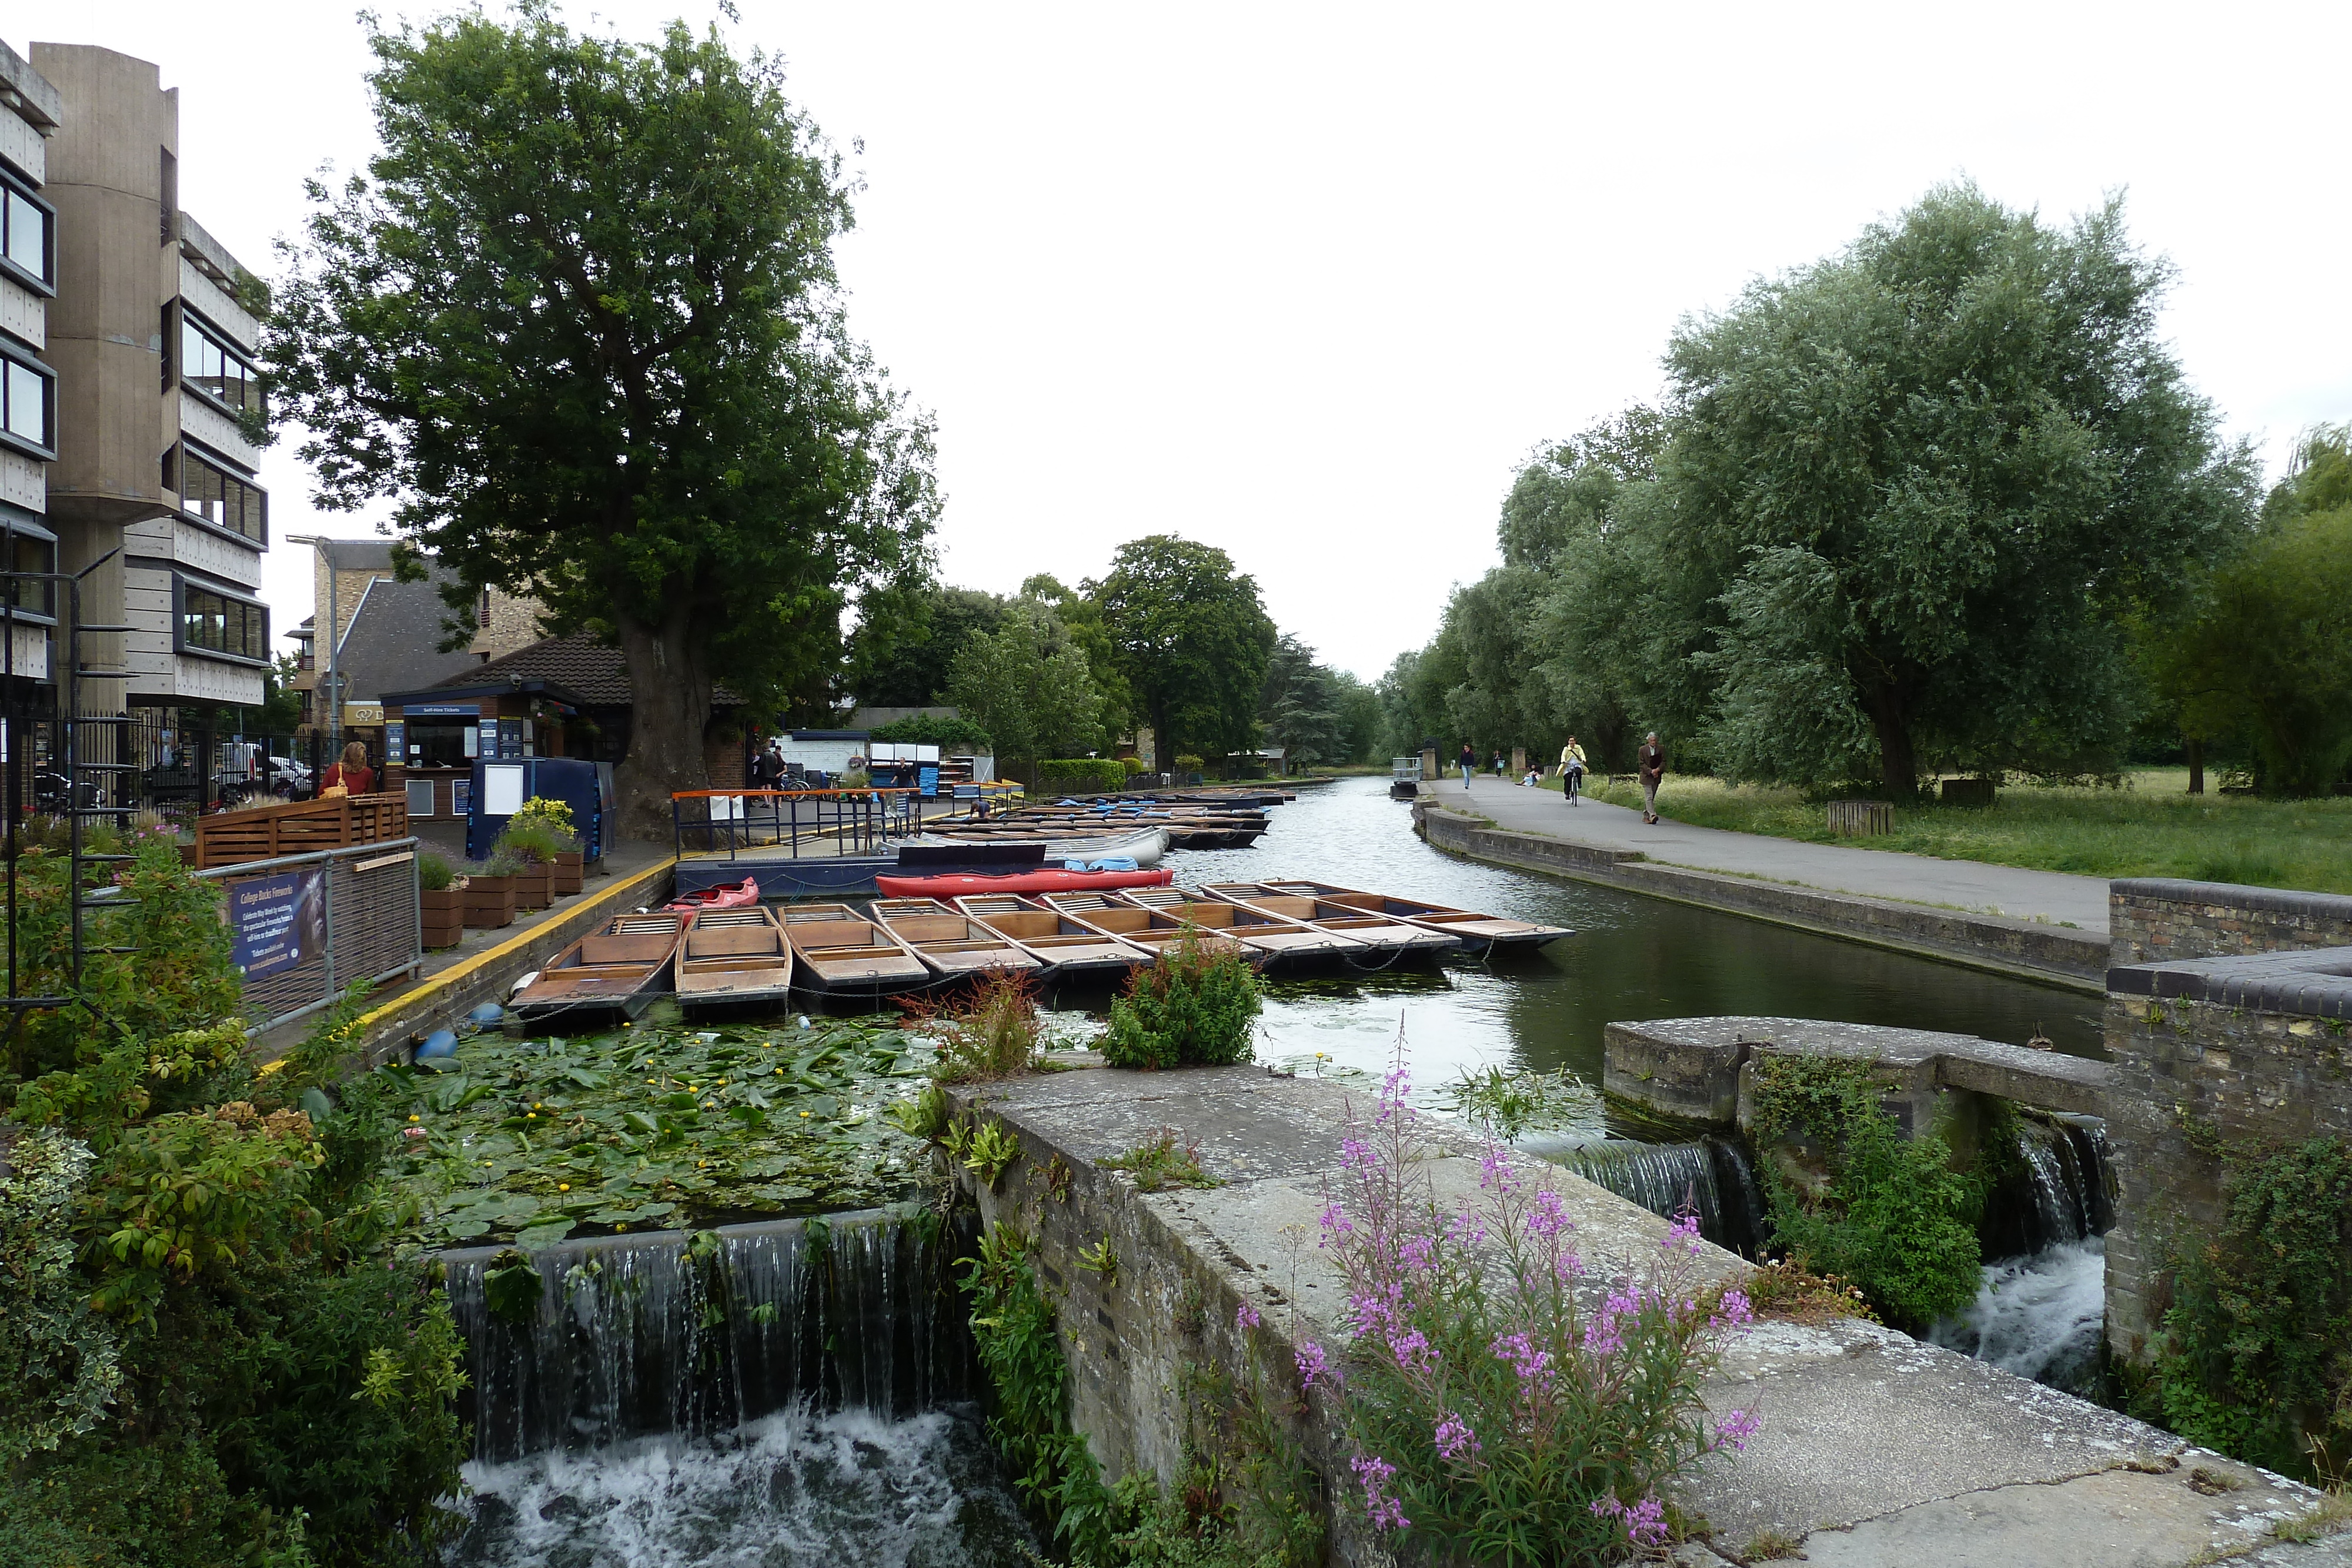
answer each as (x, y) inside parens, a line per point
(372, 920)
(831, 821)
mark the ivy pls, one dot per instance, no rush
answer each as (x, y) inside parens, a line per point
(1885, 1212)
(2254, 1357)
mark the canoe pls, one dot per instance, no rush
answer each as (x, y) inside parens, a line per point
(611, 970)
(1072, 949)
(726, 896)
(951, 884)
(1380, 932)
(733, 955)
(1144, 846)
(1286, 941)
(1478, 932)
(1150, 929)
(838, 950)
(955, 945)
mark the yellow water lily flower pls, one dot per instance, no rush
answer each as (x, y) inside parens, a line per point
(563, 1187)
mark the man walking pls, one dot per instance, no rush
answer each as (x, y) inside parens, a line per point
(1469, 761)
(1653, 757)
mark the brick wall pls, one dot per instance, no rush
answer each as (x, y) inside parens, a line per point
(2257, 1049)
(2151, 919)
(511, 622)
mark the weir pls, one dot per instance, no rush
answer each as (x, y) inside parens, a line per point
(671, 1333)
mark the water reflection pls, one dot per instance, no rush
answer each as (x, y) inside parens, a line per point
(1632, 957)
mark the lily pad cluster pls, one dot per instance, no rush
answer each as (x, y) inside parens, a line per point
(657, 1127)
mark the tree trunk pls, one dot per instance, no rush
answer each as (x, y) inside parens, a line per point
(1898, 766)
(2196, 765)
(669, 713)
(1163, 743)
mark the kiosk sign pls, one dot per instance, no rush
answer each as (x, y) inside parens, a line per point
(277, 921)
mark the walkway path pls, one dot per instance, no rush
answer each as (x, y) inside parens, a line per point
(2021, 894)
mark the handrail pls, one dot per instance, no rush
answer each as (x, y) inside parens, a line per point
(842, 794)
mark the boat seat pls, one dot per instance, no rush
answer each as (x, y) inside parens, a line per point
(832, 933)
(645, 949)
(932, 928)
(702, 943)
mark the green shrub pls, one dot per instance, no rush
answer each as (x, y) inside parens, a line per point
(433, 873)
(1192, 1005)
(1134, 765)
(2256, 1355)
(1886, 1212)
(993, 1030)
(1082, 776)
(533, 840)
(955, 736)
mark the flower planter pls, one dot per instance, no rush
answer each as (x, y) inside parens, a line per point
(570, 868)
(490, 902)
(534, 887)
(443, 915)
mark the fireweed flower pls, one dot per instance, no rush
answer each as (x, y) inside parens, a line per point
(1684, 1236)
(1246, 1318)
(1736, 1428)
(1312, 1366)
(1357, 1154)
(1415, 1253)
(1548, 1215)
(1466, 1229)
(1645, 1522)
(1414, 1351)
(1375, 1473)
(1734, 1311)
(1336, 1222)
(1454, 1439)
(1532, 1365)
(1494, 1171)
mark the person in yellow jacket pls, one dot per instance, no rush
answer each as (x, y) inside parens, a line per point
(1572, 770)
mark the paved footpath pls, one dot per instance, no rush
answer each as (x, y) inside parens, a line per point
(2048, 896)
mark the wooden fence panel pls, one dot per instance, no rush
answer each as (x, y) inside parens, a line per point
(305, 827)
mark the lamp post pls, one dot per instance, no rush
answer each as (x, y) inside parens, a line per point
(334, 685)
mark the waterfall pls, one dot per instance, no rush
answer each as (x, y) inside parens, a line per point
(1710, 1177)
(639, 1335)
(2061, 1189)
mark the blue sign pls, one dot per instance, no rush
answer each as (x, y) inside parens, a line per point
(277, 922)
(440, 710)
(930, 779)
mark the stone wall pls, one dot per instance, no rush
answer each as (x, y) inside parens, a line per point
(2258, 1049)
(2151, 918)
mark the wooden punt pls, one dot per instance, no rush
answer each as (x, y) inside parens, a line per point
(610, 970)
(733, 955)
(954, 945)
(836, 950)
(1381, 932)
(1478, 933)
(1150, 929)
(1285, 940)
(1070, 948)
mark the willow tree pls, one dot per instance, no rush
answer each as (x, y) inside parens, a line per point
(578, 321)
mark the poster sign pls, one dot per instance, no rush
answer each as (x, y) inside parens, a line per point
(930, 778)
(461, 797)
(277, 922)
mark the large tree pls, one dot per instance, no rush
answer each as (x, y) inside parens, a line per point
(1028, 684)
(580, 321)
(1929, 475)
(1193, 640)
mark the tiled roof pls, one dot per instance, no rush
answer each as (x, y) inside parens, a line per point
(392, 644)
(590, 671)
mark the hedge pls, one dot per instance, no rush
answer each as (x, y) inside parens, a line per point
(1082, 776)
(935, 730)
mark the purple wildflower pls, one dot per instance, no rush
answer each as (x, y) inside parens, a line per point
(1495, 1171)
(1313, 1367)
(1336, 1222)
(1454, 1438)
(1375, 1473)
(1415, 1253)
(1684, 1235)
(1548, 1215)
(1737, 1310)
(1357, 1156)
(1736, 1428)
(1532, 1365)
(1466, 1229)
(1414, 1351)
(1246, 1318)
(1645, 1522)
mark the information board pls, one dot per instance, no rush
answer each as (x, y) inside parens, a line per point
(276, 922)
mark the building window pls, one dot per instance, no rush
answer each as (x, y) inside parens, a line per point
(223, 499)
(27, 236)
(27, 404)
(214, 623)
(208, 364)
(27, 550)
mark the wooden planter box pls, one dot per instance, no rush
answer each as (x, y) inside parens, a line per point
(534, 887)
(490, 902)
(443, 913)
(569, 867)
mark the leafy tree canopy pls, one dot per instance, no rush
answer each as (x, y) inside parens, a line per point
(1193, 640)
(1027, 684)
(907, 638)
(580, 319)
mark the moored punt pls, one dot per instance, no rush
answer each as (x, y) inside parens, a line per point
(1478, 932)
(1270, 934)
(1381, 932)
(732, 955)
(1073, 949)
(1150, 929)
(608, 971)
(953, 944)
(838, 950)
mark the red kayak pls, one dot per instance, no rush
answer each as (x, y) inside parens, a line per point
(726, 896)
(951, 884)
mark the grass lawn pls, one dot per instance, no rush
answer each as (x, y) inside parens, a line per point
(2152, 827)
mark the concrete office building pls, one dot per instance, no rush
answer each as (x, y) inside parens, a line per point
(152, 338)
(29, 112)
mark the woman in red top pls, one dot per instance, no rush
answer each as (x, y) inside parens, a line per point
(352, 772)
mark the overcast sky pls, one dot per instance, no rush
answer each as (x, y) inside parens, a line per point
(1309, 283)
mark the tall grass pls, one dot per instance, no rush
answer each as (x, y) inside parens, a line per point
(2152, 827)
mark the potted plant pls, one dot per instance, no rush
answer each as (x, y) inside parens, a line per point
(489, 895)
(441, 896)
(531, 841)
(562, 837)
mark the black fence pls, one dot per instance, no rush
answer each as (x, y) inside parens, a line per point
(180, 771)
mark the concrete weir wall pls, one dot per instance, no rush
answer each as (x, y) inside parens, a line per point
(1876, 1450)
(2049, 953)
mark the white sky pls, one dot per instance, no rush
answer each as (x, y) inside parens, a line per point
(1307, 283)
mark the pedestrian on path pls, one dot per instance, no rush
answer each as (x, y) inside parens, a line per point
(1653, 757)
(1469, 760)
(1498, 762)
(1572, 770)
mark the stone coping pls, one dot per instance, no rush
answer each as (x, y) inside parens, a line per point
(2315, 982)
(2231, 895)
